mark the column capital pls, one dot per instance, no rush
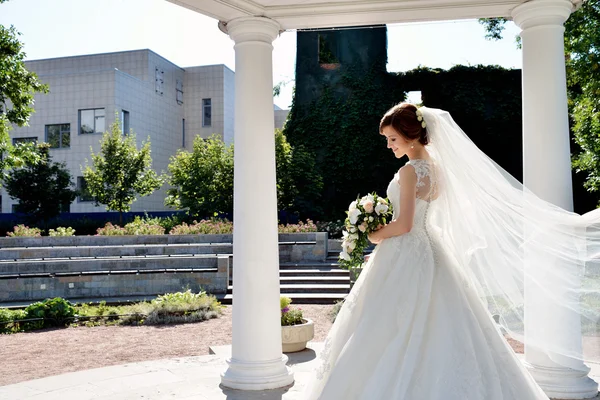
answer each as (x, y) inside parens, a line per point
(251, 29)
(536, 13)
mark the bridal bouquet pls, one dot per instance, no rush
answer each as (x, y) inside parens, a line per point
(365, 215)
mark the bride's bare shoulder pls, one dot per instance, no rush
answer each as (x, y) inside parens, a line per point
(407, 175)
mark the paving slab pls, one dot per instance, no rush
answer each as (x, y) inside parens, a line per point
(188, 378)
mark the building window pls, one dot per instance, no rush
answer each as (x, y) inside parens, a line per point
(58, 136)
(179, 93)
(18, 140)
(206, 112)
(326, 56)
(84, 195)
(125, 122)
(183, 133)
(91, 121)
(159, 80)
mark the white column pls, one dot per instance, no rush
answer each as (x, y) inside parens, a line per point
(257, 362)
(547, 173)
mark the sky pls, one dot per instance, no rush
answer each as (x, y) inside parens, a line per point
(60, 28)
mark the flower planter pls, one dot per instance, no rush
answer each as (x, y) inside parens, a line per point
(330, 66)
(295, 337)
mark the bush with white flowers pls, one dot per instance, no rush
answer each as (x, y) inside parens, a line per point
(365, 215)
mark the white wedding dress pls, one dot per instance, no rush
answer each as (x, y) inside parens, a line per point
(413, 329)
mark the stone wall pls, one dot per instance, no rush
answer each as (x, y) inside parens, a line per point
(82, 267)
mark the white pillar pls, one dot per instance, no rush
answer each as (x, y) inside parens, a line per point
(547, 173)
(257, 362)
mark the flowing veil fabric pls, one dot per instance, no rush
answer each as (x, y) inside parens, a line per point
(519, 252)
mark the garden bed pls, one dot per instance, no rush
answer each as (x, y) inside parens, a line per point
(32, 355)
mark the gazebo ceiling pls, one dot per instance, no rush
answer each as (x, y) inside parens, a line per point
(303, 14)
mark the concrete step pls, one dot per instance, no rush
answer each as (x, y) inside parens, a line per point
(309, 265)
(315, 280)
(41, 253)
(46, 241)
(12, 254)
(298, 298)
(314, 272)
(309, 288)
(108, 264)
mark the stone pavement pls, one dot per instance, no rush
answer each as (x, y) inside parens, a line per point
(189, 378)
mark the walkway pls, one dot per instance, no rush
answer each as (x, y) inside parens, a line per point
(189, 378)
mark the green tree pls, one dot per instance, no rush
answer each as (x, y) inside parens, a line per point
(304, 174)
(17, 88)
(286, 187)
(43, 189)
(202, 181)
(582, 55)
(120, 172)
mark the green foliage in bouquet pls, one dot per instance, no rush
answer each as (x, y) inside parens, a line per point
(365, 215)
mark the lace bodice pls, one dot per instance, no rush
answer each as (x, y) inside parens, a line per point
(426, 190)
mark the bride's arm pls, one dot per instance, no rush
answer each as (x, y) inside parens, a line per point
(408, 194)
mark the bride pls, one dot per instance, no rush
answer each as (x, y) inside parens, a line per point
(418, 323)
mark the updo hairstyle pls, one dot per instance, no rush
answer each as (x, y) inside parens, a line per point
(403, 118)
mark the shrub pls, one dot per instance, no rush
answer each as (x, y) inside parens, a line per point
(6, 319)
(289, 316)
(300, 227)
(25, 231)
(140, 226)
(333, 228)
(111, 230)
(183, 307)
(135, 314)
(168, 308)
(213, 226)
(95, 315)
(82, 226)
(56, 311)
(223, 226)
(61, 231)
(170, 222)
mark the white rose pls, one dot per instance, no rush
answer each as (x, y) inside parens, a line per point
(371, 219)
(366, 219)
(345, 256)
(381, 208)
(352, 206)
(382, 200)
(354, 236)
(362, 227)
(353, 216)
(351, 246)
(353, 230)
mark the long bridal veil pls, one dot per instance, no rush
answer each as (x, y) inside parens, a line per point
(535, 265)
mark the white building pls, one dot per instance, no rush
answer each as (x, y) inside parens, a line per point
(155, 98)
